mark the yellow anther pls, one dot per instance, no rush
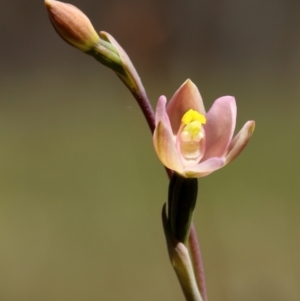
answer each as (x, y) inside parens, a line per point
(192, 115)
(193, 128)
(191, 134)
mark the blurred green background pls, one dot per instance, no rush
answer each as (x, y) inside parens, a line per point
(81, 188)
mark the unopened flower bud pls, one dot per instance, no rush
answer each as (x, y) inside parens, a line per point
(72, 25)
(76, 29)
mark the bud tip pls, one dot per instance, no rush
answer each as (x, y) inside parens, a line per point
(48, 3)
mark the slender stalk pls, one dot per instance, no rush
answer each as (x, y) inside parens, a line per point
(197, 262)
(142, 100)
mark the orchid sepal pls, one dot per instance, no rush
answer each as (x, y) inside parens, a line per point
(240, 141)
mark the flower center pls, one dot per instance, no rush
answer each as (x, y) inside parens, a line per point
(191, 134)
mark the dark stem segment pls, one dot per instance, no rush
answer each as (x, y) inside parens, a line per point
(197, 262)
(182, 199)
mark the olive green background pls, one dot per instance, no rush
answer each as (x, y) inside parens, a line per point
(81, 188)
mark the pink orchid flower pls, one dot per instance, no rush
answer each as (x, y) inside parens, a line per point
(192, 142)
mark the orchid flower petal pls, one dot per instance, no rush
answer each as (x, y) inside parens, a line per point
(220, 126)
(204, 168)
(239, 142)
(185, 98)
(165, 147)
(161, 113)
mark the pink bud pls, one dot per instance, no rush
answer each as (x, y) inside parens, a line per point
(72, 25)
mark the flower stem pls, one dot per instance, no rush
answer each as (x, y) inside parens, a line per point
(197, 262)
(143, 101)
